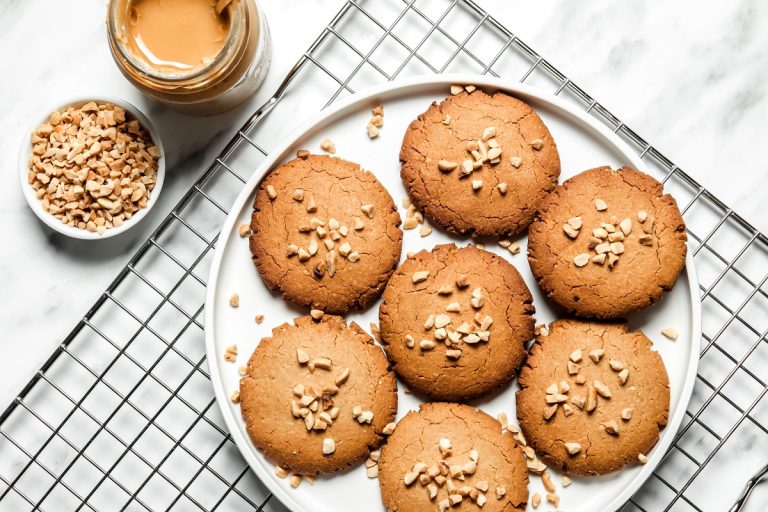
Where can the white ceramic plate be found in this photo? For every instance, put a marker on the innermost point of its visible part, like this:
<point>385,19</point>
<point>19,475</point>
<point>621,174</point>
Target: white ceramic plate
<point>582,142</point>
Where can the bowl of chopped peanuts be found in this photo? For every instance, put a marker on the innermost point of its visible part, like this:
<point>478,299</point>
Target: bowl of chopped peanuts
<point>92,168</point>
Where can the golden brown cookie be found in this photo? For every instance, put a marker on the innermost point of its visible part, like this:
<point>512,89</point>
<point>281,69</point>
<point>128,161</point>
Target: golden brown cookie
<point>454,322</point>
<point>448,454</point>
<point>477,164</point>
<point>325,233</point>
<point>317,395</point>
<point>593,396</point>
<point>607,242</point>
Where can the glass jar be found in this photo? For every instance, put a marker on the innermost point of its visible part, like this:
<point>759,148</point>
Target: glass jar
<point>212,88</point>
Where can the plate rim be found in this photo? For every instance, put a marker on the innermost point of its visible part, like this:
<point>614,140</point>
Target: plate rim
<point>245,446</point>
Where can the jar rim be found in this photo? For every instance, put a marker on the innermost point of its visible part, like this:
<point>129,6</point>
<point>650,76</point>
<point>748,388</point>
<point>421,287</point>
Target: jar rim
<point>238,15</point>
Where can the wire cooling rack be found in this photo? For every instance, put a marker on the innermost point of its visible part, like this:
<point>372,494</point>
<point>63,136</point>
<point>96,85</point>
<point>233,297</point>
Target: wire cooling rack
<point>122,415</point>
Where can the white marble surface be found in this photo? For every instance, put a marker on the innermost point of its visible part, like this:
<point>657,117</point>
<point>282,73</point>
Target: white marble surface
<point>690,79</point>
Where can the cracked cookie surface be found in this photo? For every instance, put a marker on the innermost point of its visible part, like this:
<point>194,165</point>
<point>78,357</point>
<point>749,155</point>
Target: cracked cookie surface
<point>451,199</point>
<point>500,474</point>
<point>627,409</point>
<point>269,391</point>
<point>307,209</point>
<point>652,254</point>
<point>463,358</point>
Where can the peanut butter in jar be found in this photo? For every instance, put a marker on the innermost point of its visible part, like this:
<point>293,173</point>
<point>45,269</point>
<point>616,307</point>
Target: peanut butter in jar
<point>200,57</point>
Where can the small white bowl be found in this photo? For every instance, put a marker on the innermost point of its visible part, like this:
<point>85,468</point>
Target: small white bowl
<point>36,205</point>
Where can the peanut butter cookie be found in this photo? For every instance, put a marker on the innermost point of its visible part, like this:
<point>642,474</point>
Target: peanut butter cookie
<point>455,322</point>
<point>447,454</point>
<point>593,396</point>
<point>477,164</point>
<point>607,242</point>
<point>317,395</point>
<point>325,233</point>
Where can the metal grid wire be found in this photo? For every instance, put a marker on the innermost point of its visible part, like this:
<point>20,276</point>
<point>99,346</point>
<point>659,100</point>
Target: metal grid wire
<point>122,415</point>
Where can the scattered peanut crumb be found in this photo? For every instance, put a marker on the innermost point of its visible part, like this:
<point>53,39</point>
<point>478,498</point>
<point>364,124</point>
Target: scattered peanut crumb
<point>281,472</point>
<point>546,479</point>
<point>565,481</point>
<point>245,230</point>
<point>536,466</point>
<point>317,314</point>
<point>553,498</point>
<point>234,300</point>
<point>425,231</point>
<point>295,481</point>
<point>535,500</point>
<point>670,333</point>
<point>259,318</point>
<point>642,458</point>
<point>230,354</point>
<point>235,397</point>
<point>328,146</point>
